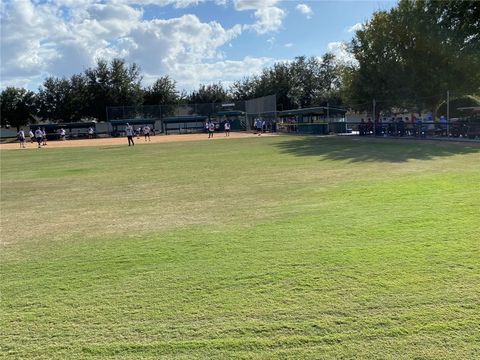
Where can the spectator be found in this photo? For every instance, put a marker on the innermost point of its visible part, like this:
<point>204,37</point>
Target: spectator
<point>369,127</point>
<point>361,127</point>
<point>401,127</point>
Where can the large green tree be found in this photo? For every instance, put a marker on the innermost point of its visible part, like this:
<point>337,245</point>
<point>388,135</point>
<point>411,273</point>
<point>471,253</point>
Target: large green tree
<point>411,55</point>
<point>16,107</point>
<point>163,91</point>
<point>63,99</point>
<point>53,99</point>
<point>213,93</point>
<point>112,84</point>
<point>302,82</point>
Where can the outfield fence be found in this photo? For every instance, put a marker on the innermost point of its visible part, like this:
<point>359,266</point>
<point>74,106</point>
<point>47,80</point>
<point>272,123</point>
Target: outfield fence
<point>453,129</point>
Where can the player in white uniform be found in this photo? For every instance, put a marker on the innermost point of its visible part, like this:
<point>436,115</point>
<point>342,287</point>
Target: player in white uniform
<point>129,132</point>
<point>227,128</point>
<point>44,137</point>
<point>39,137</point>
<point>146,132</point>
<point>211,129</point>
<point>21,138</point>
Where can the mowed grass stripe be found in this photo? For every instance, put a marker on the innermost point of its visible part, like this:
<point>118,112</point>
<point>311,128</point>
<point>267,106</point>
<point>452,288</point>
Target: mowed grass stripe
<point>376,258</point>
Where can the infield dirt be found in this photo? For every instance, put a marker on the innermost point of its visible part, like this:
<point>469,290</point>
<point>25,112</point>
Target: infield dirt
<point>123,140</point>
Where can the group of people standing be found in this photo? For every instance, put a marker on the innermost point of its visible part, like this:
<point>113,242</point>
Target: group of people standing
<point>401,126</point>
<point>260,125</point>
<point>130,132</point>
<point>392,127</point>
<point>210,128</point>
<point>40,136</point>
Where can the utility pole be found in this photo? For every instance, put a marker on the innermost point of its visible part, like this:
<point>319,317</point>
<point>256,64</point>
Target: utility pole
<point>448,112</point>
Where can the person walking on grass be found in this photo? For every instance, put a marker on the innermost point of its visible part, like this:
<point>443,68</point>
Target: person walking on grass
<point>21,138</point>
<point>31,136</point>
<point>227,128</point>
<point>146,132</point>
<point>129,132</point>
<point>39,137</point>
<point>211,129</point>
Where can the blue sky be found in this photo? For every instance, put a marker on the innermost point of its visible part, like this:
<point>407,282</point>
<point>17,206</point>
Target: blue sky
<point>192,41</point>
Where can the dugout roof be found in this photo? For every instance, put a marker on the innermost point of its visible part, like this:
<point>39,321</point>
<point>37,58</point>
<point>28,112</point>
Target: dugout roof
<point>132,121</point>
<point>185,119</point>
<point>73,125</point>
<point>318,110</point>
<point>77,125</point>
<point>470,108</point>
<point>230,113</point>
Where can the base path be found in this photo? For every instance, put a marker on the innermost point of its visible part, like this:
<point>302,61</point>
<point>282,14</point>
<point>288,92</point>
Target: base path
<point>123,140</point>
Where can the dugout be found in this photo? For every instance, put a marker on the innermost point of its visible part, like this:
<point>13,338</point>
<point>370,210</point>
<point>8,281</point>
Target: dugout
<point>118,126</point>
<point>236,118</point>
<point>73,130</point>
<point>77,130</point>
<point>314,120</point>
<point>184,124</point>
<point>270,118</point>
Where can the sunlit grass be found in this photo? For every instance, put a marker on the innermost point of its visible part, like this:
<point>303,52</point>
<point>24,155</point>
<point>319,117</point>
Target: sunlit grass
<point>250,248</point>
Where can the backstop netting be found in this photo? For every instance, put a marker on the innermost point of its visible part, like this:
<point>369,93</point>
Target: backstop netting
<point>181,118</point>
<point>185,118</point>
<point>263,108</point>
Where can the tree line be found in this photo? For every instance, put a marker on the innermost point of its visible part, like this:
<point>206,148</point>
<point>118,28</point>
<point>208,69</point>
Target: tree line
<point>406,58</point>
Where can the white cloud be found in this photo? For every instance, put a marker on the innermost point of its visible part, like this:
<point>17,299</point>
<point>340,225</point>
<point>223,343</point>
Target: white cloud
<point>305,10</point>
<point>354,28</point>
<point>269,17</point>
<point>339,49</point>
<point>226,71</point>
<point>22,29</point>
<point>288,45</point>
<point>162,44</point>
<point>40,39</point>
<point>178,4</point>
<point>241,5</point>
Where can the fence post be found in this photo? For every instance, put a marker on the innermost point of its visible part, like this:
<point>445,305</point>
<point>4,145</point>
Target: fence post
<point>448,112</point>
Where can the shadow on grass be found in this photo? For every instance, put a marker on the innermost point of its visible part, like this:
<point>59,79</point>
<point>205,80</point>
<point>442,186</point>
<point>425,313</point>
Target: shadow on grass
<point>357,149</point>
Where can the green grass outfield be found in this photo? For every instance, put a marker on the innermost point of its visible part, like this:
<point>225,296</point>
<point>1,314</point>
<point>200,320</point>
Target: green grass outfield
<point>267,247</point>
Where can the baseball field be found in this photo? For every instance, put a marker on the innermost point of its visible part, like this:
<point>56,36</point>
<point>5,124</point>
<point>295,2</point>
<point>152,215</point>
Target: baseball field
<point>255,247</point>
